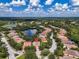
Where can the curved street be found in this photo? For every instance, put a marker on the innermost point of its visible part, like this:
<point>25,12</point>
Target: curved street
<point>54,44</point>
<point>52,49</point>
<point>11,51</point>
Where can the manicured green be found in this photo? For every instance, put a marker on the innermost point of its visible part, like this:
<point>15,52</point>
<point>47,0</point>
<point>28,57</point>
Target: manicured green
<point>21,57</point>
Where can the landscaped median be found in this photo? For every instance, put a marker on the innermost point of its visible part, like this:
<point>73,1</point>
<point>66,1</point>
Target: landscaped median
<point>21,57</point>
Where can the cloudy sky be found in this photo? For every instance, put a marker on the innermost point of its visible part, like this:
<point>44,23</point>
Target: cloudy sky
<point>39,8</point>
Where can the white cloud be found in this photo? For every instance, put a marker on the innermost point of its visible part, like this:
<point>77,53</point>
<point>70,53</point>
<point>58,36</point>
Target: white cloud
<point>7,4</point>
<point>58,6</point>
<point>33,5</point>
<point>2,5</point>
<point>18,2</point>
<point>65,6</point>
<point>61,7</point>
<point>28,9</point>
<point>39,13</point>
<point>75,2</point>
<point>76,10</point>
<point>9,10</point>
<point>51,10</point>
<point>34,2</point>
<point>49,2</point>
<point>31,9</point>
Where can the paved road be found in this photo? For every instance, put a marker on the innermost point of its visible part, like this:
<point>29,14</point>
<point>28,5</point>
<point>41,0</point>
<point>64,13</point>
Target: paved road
<point>10,50</point>
<point>54,44</point>
<point>53,47</point>
<point>54,27</point>
<point>38,53</point>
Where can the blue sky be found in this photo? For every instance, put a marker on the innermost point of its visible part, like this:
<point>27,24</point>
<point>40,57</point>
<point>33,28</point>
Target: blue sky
<point>39,8</point>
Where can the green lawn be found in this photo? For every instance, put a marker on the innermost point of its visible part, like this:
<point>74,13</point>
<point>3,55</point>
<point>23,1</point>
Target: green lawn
<point>3,58</point>
<point>21,57</point>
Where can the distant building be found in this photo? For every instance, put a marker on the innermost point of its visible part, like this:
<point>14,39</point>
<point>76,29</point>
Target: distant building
<point>10,25</point>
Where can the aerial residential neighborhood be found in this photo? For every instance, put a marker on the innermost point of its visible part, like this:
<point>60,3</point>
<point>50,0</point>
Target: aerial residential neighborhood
<point>39,29</point>
<point>56,39</point>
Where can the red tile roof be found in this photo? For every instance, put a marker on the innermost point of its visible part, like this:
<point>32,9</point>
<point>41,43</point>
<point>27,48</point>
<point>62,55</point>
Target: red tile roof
<point>36,39</point>
<point>72,53</point>
<point>43,39</point>
<point>27,43</point>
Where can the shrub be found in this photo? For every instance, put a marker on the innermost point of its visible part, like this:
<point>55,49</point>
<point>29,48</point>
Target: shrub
<point>30,54</point>
<point>43,45</point>
<point>59,51</point>
<point>45,52</point>
<point>51,56</point>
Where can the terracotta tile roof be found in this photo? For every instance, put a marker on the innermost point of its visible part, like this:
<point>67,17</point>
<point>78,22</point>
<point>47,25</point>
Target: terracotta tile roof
<point>72,53</point>
<point>36,39</point>
<point>43,39</point>
<point>44,33</point>
<point>27,44</point>
<point>18,40</point>
<point>66,57</point>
